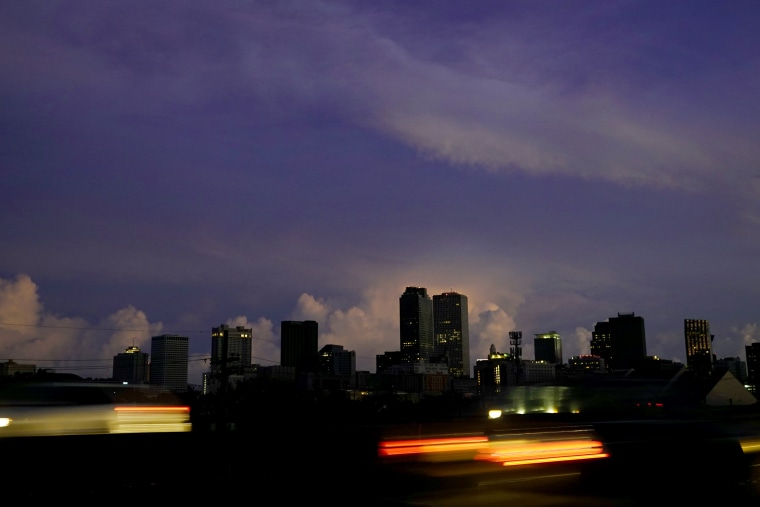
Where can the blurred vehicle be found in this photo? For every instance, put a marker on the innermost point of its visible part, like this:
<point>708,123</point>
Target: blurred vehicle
<point>33,409</point>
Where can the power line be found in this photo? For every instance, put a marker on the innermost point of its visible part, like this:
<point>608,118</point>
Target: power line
<point>120,329</point>
<point>94,328</point>
<point>191,357</point>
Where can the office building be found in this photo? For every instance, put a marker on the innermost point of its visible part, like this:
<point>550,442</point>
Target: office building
<point>586,363</point>
<point>168,362</point>
<point>698,340</point>
<point>534,372</point>
<point>416,325</point>
<point>752,357</point>
<point>335,360</point>
<point>384,363</point>
<point>495,374</point>
<point>452,332</point>
<point>299,345</point>
<point>547,347</point>
<point>131,366</point>
<point>620,341</point>
<point>231,349</point>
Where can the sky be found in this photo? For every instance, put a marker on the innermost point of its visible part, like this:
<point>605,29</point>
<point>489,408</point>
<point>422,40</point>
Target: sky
<point>171,166</point>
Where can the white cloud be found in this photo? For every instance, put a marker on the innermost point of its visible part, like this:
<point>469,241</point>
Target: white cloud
<point>577,344</point>
<point>129,326</point>
<point>32,335</point>
<point>310,308</point>
<point>489,324</point>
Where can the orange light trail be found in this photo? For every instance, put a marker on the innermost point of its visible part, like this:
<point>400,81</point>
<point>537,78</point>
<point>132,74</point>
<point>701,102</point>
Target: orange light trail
<point>152,409</point>
<point>508,453</point>
<point>522,453</point>
<point>430,445</point>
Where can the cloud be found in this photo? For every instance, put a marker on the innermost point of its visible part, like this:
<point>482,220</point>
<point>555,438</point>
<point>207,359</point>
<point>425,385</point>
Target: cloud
<point>130,327</point>
<point>68,344</point>
<point>577,344</point>
<point>490,324</point>
<point>310,308</point>
<point>733,344</point>
<point>368,327</point>
<point>364,67</point>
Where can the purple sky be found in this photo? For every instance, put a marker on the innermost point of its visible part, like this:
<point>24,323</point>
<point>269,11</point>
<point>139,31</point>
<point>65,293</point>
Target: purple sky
<point>170,166</point>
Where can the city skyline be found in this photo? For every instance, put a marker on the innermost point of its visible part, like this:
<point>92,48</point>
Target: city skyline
<point>172,167</point>
<point>505,346</point>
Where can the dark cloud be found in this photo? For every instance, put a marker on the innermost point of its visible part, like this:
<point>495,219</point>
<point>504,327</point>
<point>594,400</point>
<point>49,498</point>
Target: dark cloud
<point>177,165</point>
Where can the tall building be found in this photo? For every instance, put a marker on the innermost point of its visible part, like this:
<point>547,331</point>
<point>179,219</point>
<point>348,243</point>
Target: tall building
<point>299,345</point>
<point>416,325</point>
<point>752,356</point>
<point>699,355</point>
<point>231,349</point>
<point>335,360</point>
<point>621,341</point>
<point>131,366</point>
<point>548,347</point>
<point>452,332</point>
<point>168,363</point>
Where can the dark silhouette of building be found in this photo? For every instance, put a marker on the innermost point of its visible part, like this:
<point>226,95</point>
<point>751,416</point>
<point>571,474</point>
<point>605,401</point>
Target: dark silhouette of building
<point>735,365</point>
<point>515,350</point>
<point>495,374</point>
<point>11,368</point>
<point>231,349</point>
<point>168,362</point>
<point>131,366</point>
<point>656,367</point>
<point>586,364</point>
<point>452,332</point>
<point>548,347</point>
<point>699,355</point>
<point>752,353</point>
<point>299,345</point>
<point>621,341</point>
<point>385,362</point>
<point>416,326</point>
<point>335,360</point>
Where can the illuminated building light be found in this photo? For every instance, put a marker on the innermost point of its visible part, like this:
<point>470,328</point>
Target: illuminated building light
<point>494,414</point>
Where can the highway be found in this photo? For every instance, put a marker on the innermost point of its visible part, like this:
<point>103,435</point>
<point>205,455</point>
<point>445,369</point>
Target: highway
<point>535,463</point>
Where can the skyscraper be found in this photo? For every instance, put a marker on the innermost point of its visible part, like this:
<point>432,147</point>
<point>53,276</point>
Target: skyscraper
<point>699,355</point>
<point>621,341</point>
<point>452,332</point>
<point>231,349</point>
<point>416,326</point>
<point>752,352</point>
<point>548,347</point>
<point>168,364</point>
<point>131,366</point>
<point>299,345</point>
